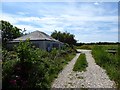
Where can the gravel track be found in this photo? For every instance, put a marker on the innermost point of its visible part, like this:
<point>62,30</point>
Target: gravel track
<point>63,77</point>
<point>93,77</point>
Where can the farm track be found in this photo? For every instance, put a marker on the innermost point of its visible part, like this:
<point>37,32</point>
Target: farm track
<point>93,77</point>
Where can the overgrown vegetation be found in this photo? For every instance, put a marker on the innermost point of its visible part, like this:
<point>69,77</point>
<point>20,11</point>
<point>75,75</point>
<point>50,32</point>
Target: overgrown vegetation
<point>30,67</point>
<point>81,63</point>
<point>110,62</point>
<point>27,66</point>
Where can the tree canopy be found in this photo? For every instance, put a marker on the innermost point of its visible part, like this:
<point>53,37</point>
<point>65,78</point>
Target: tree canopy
<point>9,32</point>
<point>64,37</point>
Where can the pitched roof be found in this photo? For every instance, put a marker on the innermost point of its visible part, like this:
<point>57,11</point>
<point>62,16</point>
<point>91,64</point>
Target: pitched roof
<point>36,35</point>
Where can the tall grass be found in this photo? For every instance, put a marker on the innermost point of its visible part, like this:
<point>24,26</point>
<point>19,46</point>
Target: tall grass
<point>108,61</point>
<point>81,63</point>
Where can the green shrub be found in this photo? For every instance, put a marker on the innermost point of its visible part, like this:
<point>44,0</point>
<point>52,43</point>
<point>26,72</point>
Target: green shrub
<point>31,67</point>
<point>6,55</point>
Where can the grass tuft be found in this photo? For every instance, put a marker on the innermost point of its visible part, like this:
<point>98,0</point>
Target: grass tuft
<point>81,63</point>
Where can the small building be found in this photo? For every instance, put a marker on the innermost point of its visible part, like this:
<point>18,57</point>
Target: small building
<point>38,39</point>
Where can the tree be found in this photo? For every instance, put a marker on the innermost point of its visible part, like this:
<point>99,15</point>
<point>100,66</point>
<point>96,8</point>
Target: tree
<point>9,32</point>
<point>64,37</point>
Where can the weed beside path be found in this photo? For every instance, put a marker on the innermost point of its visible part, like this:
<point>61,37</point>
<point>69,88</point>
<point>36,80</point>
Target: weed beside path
<point>110,62</point>
<point>62,80</point>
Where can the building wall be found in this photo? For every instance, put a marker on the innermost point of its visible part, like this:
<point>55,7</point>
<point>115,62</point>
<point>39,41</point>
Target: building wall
<point>44,45</point>
<point>48,45</point>
<point>39,44</point>
<point>10,46</point>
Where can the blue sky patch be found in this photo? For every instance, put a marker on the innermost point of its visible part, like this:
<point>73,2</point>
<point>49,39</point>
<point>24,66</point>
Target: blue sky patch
<point>88,21</point>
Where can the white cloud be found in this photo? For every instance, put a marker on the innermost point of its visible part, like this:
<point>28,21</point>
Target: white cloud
<point>31,28</point>
<point>22,13</point>
<point>9,18</point>
<point>97,37</point>
<point>96,3</point>
<point>84,19</point>
<point>64,20</point>
<point>49,24</point>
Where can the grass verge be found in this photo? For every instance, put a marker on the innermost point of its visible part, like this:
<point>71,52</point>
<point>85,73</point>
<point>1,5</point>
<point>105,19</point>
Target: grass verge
<point>110,62</point>
<point>81,63</point>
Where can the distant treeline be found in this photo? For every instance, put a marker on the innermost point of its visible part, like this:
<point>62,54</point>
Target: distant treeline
<point>98,43</point>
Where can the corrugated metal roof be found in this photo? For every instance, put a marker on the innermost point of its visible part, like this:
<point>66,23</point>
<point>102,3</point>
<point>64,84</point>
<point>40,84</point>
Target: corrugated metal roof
<point>36,35</point>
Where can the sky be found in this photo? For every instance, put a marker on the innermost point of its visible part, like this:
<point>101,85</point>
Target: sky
<point>88,21</point>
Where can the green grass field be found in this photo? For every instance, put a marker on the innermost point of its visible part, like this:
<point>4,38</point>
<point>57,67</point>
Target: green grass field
<point>81,63</point>
<point>88,47</point>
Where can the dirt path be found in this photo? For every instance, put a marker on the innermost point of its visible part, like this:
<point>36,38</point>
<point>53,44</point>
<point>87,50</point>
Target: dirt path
<point>93,77</point>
